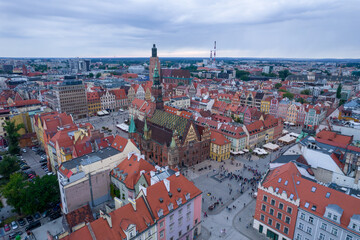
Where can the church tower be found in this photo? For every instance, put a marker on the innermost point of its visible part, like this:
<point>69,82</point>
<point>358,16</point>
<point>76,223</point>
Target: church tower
<point>156,90</point>
<point>154,61</point>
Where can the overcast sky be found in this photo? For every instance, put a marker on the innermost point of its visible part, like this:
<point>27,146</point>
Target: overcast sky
<point>180,28</point>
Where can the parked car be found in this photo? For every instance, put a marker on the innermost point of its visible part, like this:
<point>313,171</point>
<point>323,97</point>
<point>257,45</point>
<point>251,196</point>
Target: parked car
<point>21,222</point>
<point>14,225</point>
<point>54,216</point>
<point>43,164</point>
<point>24,150</point>
<point>29,219</point>
<point>26,167</point>
<point>43,161</point>
<point>14,234</point>
<point>33,225</point>
<point>7,227</point>
<point>37,215</point>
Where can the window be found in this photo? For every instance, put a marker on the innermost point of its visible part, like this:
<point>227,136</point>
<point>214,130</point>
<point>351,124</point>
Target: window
<point>329,215</point>
<point>188,227</point>
<point>313,208</point>
<point>321,236</point>
<point>161,224</point>
<point>262,217</point>
<point>301,226</point>
<point>188,207</point>
<point>196,221</point>
<point>302,216</point>
<point>171,217</point>
<point>309,230</point>
<point>162,233</point>
<point>277,226</point>
<point>265,198</point>
<point>291,196</point>
<point>271,211</point>
<point>286,230</point>
<point>263,207</point>
<point>287,219</point>
<point>313,189</point>
<point>306,204</point>
<point>327,195</point>
<point>311,219</point>
<point>289,210</point>
<point>281,206</point>
<point>348,237</point>
<point>179,233</point>
<point>298,237</point>
<point>180,221</point>
<point>286,183</point>
<point>171,226</point>
<point>188,216</point>
<point>270,221</point>
<point>323,226</point>
<point>334,231</point>
<point>279,215</point>
<point>273,202</point>
<point>279,180</point>
<point>335,217</point>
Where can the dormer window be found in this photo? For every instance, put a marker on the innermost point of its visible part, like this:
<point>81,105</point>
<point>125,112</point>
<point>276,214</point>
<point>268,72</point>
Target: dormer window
<point>170,207</point>
<point>187,196</point>
<point>160,212</point>
<point>179,201</point>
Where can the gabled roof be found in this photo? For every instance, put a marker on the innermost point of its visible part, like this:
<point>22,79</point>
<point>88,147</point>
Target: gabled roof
<point>218,138</point>
<point>159,198</point>
<point>289,179</point>
<point>119,143</point>
<point>131,170</point>
<point>78,216</point>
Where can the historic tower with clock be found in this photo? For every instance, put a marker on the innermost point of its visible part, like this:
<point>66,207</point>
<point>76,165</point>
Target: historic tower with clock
<point>156,90</point>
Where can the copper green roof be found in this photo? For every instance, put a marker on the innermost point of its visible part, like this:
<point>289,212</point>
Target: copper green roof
<point>170,121</point>
<point>132,128</point>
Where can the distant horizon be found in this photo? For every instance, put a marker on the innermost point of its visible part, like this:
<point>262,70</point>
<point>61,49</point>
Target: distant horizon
<point>307,29</point>
<point>200,58</point>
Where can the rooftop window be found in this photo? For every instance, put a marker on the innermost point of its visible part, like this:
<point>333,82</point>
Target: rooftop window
<point>327,195</point>
<point>313,189</point>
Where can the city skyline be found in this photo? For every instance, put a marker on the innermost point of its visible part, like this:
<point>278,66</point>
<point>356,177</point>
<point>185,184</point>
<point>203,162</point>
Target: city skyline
<point>254,29</point>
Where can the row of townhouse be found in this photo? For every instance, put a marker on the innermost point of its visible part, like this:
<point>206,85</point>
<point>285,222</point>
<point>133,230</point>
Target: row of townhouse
<point>246,136</point>
<point>295,113</point>
<point>110,100</point>
<point>154,203</point>
<point>291,204</point>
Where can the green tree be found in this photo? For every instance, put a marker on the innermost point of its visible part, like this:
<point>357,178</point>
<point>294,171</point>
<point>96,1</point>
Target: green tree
<point>8,165</point>
<point>98,75</point>
<point>283,74</point>
<point>338,91</point>
<point>13,191</point>
<point>278,85</point>
<point>289,95</point>
<point>30,197</point>
<point>305,92</point>
<point>13,136</point>
<point>91,75</point>
<point>242,74</point>
<point>301,100</point>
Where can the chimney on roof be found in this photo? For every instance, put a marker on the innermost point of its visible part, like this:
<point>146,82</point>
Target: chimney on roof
<point>107,217</point>
<point>167,184</point>
<point>143,189</point>
<point>133,203</point>
<point>118,203</point>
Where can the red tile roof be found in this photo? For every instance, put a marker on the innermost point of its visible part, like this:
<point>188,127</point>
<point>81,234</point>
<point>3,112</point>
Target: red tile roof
<point>311,192</point>
<point>133,167</point>
<point>218,138</point>
<point>23,103</point>
<point>333,139</point>
<point>79,216</point>
<point>158,196</point>
<point>119,143</point>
